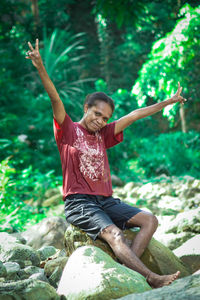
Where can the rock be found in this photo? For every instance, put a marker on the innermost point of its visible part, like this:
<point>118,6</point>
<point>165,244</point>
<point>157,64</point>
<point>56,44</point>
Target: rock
<point>189,253</point>
<point>3,271</point>
<point>52,201</point>
<point>193,202</point>
<point>186,221</point>
<point>166,203</point>
<point>187,288</point>
<point>156,257</point>
<point>30,270</point>
<point>15,251</point>
<point>46,251</point>
<point>12,269</point>
<point>52,192</point>
<point>6,238</point>
<point>39,276</point>
<point>28,289</point>
<point>174,240</point>
<point>116,180</point>
<point>190,193</point>
<point>51,265</point>
<point>53,270</point>
<point>74,238</point>
<point>19,238</point>
<point>55,277</point>
<point>49,232</point>
<point>90,273</point>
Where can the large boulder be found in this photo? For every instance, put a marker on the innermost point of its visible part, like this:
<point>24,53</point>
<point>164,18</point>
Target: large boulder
<point>187,288</point>
<point>156,257</point>
<point>189,253</point>
<point>90,273</point>
<point>28,289</point>
<point>49,232</point>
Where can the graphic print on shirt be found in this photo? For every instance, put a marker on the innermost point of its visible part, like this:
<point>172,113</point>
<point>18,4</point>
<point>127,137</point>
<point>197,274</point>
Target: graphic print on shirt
<point>91,154</point>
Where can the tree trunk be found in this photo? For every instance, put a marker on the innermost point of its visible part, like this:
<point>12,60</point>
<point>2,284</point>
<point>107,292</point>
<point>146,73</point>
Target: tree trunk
<point>182,116</point>
<point>35,11</point>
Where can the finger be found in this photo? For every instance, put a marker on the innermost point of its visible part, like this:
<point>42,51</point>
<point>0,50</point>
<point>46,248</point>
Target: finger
<point>37,45</point>
<point>179,89</point>
<point>30,46</point>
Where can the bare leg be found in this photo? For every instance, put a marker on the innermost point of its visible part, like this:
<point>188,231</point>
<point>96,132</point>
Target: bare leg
<point>115,238</point>
<point>148,224</point>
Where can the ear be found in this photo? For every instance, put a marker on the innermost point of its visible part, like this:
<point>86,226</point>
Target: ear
<point>85,108</point>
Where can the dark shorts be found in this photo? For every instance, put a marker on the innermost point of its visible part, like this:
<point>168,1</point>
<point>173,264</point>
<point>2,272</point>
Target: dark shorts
<point>94,213</point>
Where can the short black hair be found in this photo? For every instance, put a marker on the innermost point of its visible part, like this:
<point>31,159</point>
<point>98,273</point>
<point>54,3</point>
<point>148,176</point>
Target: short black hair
<point>92,99</point>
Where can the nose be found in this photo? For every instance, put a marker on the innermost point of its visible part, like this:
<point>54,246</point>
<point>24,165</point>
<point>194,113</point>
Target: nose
<point>100,121</point>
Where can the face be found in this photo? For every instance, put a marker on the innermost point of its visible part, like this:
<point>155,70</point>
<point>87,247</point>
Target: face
<point>96,117</point>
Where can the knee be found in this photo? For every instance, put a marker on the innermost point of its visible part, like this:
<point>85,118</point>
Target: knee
<point>153,222</point>
<point>114,236</point>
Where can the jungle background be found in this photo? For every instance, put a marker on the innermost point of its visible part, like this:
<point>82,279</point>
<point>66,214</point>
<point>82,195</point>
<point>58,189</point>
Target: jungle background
<point>135,51</point>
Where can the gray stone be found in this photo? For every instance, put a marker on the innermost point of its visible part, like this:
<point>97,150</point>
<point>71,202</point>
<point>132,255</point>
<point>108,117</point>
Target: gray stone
<point>12,269</point>
<point>54,263</point>
<point>21,263</point>
<point>30,270</point>
<point>116,180</point>
<point>187,288</point>
<point>19,238</point>
<point>53,201</point>
<point>49,232</point>
<point>52,192</point>
<point>90,273</point>
<point>186,221</point>
<point>189,253</point>
<point>15,251</point>
<point>55,277</point>
<point>174,240</point>
<point>3,271</point>
<point>29,289</point>
<point>6,238</point>
<point>46,251</point>
<point>39,276</point>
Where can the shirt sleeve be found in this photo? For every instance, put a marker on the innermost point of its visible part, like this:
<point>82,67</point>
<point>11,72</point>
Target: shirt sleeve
<point>109,137</point>
<point>63,133</point>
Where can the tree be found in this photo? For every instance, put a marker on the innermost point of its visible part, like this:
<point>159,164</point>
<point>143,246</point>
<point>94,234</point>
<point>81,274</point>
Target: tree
<point>173,58</point>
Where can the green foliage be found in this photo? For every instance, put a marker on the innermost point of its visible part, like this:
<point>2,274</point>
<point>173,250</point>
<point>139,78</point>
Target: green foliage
<point>22,192</point>
<point>172,59</point>
<point>173,154</point>
<point>124,13</point>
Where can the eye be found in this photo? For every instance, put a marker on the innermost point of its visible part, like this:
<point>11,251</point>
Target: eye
<point>97,114</point>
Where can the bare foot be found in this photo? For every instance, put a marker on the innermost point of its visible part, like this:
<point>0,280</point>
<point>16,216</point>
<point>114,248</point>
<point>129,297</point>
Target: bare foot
<point>156,281</point>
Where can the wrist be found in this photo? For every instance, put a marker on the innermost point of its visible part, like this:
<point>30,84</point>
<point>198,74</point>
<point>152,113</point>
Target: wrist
<point>169,101</point>
<point>40,67</point>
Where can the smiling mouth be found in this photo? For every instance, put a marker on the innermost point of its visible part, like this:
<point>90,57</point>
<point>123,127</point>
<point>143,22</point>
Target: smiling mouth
<point>95,126</point>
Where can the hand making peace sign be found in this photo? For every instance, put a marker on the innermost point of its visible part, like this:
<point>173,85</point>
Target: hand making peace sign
<point>34,54</point>
<point>176,97</point>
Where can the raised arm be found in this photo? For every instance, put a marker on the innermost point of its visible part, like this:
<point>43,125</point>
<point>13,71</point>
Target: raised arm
<point>57,104</point>
<point>140,113</point>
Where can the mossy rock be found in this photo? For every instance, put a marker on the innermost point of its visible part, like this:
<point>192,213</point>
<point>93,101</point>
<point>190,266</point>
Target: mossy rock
<point>157,257</point>
<point>90,273</point>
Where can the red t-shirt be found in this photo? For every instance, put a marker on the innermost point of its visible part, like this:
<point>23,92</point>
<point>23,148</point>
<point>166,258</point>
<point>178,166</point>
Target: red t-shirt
<point>84,159</point>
